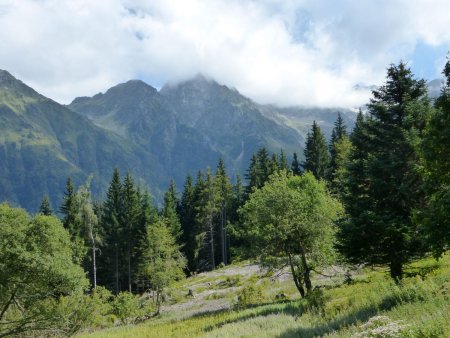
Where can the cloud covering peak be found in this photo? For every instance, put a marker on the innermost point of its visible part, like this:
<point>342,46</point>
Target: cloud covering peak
<point>305,52</point>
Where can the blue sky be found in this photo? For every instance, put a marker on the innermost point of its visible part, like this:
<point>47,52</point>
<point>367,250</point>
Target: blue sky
<point>290,52</point>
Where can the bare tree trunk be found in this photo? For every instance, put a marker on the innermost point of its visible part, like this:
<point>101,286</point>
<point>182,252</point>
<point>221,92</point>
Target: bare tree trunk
<point>211,231</point>
<point>94,248</point>
<point>116,262</point>
<point>222,236</point>
<point>298,283</point>
<point>306,273</point>
<point>129,264</point>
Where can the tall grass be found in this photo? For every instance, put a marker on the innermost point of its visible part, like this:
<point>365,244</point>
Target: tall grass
<point>372,306</point>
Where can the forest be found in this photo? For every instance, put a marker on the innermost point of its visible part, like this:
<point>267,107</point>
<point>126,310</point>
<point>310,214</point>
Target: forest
<point>377,194</point>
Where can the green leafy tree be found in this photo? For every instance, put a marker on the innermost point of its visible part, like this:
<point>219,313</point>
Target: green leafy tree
<point>384,186</point>
<point>36,269</point>
<point>89,225</point>
<point>45,208</point>
<point>163,261</point>
<point>208,208</point>
<point>290,222</point>
<point>435,149</point>
<point>316,152</point>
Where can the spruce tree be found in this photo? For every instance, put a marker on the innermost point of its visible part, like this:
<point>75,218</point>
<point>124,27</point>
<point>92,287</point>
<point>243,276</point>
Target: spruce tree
<point>188,222</point>
<point>435,218</point>
<point>69,209</point>
<point>225,195</point>
<point>316,153</point>
<point>45,208</point>
<point>283,162</point>
<point>383,184</point>
<point>338,133</point>
<point>295,166</point>
<point>170,207</point>
<point>112,253</point>
<point>133,230</point>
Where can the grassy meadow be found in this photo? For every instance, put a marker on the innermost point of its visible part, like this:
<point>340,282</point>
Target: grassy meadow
<point>242,301</point>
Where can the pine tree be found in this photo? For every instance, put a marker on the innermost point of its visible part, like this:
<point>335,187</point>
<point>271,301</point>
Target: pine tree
<point>283,163</point>
<point>45,208</point>
<point>295,166</point>
<point>338,133</point>
<point>252,176</point>
<point>225,195</point>
<point>170,207</point>
<point>208,208</point>
<point>188,222</point>
<point>69,209</point>
<point>434,219</point>
<point>129,218</point>
<point>111,258</point>
<point>316,153</point>
<point>383,184</point>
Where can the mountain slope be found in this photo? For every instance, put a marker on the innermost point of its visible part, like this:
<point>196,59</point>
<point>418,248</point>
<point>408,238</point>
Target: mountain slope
<point>190,125</point>
<point>42,143</point>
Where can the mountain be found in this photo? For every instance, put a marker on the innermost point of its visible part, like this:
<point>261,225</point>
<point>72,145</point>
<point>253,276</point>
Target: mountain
<point>43,142</point>
<point>190,125</point>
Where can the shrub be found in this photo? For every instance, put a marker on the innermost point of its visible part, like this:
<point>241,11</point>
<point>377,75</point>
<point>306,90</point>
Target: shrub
<point>250,295</point>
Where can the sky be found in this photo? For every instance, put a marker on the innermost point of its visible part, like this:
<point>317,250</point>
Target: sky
<point>289,52</point>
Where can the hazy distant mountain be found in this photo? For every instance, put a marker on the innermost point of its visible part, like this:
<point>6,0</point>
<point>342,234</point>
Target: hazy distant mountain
<point>435,87</point>
<point>42,143</point>
<point>157,135</point>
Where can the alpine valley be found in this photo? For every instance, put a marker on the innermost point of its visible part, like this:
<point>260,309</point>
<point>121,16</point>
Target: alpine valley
<point>156,135</point>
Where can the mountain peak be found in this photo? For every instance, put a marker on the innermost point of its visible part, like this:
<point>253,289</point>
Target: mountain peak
<point>5,76</point>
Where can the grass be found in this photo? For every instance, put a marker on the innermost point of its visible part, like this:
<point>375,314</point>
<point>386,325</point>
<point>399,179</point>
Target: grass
<point>371,306</point>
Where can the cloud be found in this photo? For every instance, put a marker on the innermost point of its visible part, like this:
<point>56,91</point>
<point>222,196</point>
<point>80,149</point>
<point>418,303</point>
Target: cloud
<point>292,52</point>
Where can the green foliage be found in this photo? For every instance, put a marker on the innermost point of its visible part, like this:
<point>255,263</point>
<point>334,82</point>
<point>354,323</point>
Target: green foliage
<point>383,185</point>
<point>36,266</point>
<point>163,263</point>
<point>250,295</point>
<point>127,307</point>
<point>316,153</point>
<point>290,221</point>
<point>45,208</point>
<point>435,151</point>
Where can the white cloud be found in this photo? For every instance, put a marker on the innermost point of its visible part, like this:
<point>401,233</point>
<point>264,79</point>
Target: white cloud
<point>292,52</point>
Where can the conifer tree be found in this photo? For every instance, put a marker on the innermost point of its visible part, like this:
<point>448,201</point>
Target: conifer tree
<point>316,153</point>
<point>133,230</point>
<point>295,166</point>
<point>113,232</point>
<point>283,163</point>
<point>45,208</point>
<point>435,218</point>
<point>188,222</point>
<point>383,184</point>
<point>225,195</point>
<point>338,133</point>
<point>170,207</point>
<point>69,209</point>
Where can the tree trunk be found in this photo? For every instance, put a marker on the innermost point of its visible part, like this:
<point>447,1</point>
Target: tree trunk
<point>129,264</point>
<point>396,270</point>
<point>213,262</point>
<point>94,264</point>
<point>222,236</point>
<point>298,283</point>
<point>116,263</point>
<point>306,273</point>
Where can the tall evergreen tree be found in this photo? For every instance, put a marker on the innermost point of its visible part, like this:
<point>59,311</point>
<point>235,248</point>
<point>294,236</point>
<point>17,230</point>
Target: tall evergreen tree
<point>69,209</point>
<point>170,207</point>
<point>225,195</point>
<point>188,222</point>
<point>316,153</point>
<point>133,230</point>
<point>208,207</point>
<point>283,162</point>
<point>295,166</point>
<point>45,208</point>
<point>111,258</point>
<point>383,184</point>
<point>435,218</point>
<point>338,133</point>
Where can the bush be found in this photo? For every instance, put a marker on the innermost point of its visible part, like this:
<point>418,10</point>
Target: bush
<point>250,295</point>
<point>128,307</point>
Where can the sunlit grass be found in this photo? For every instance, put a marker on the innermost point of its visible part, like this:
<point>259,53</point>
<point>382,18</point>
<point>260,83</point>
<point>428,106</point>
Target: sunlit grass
<point>419,307</point>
